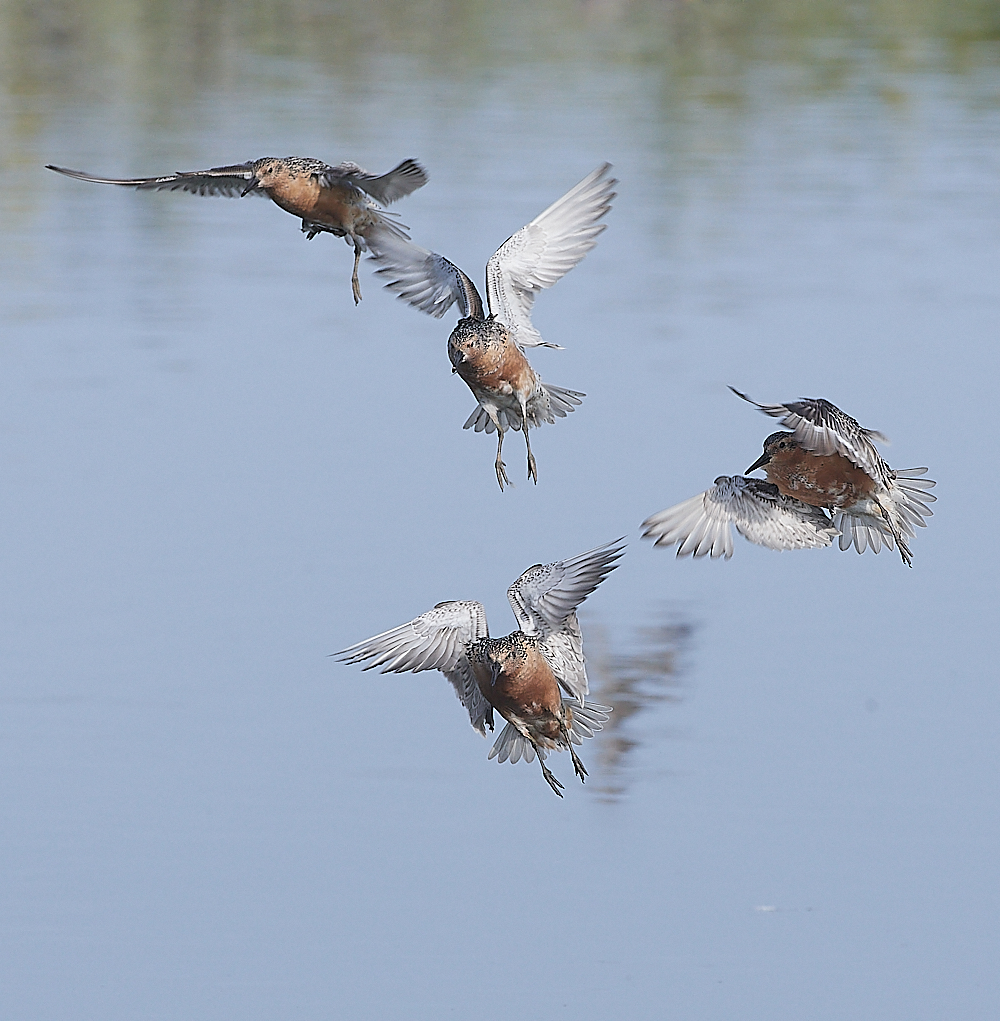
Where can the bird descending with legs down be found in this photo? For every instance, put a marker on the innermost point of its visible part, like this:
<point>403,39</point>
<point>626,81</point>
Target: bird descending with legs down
<point>329,199</point>
<point>520,675</point>
<point>488,351</point>
<point>828,460</point>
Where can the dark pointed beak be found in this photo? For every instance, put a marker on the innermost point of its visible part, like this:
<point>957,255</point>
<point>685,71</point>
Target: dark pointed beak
<point>759,463</point>
<point>252,185</point>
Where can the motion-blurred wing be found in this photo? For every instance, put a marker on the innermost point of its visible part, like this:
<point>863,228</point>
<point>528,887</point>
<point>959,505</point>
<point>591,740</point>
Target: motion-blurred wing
<point>544,251</point>
<point>384,188</point>
<point>227,181</point>
<point>823,428</point>
<point>759,512</point>
<point>436,640</point>
<point>426,280</point>
<point>545,595</point>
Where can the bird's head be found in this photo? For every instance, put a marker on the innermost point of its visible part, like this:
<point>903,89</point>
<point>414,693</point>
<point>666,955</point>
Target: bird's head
<point>264,174</point>
<point>776,447</point>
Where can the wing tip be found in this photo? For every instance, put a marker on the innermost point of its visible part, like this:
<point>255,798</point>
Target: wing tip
<point>743,396</point>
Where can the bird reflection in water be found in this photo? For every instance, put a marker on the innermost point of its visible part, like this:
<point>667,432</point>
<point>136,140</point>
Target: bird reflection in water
<point>633,682</point>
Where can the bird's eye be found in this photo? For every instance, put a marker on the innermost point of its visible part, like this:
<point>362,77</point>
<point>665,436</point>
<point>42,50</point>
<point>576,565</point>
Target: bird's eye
<point>782,444</point>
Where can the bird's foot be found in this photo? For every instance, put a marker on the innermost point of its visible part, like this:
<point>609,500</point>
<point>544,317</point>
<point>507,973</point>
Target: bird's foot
<point>310,228</point>
<point>581,769</point>
<point>904,551</point>
<point>502,475</point>
<point>551,780</point>
<point>532,468</point>
<point>356,288</point>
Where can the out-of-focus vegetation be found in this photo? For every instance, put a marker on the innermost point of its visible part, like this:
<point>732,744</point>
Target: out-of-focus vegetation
<point>80,47</point>
<point>163,60</point>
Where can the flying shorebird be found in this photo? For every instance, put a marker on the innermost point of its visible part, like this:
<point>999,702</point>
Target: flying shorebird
<point>520,675</point>
<point>488,351</point>
<point>827,464</point>
<point>828,460</point>
<point>331,200</point>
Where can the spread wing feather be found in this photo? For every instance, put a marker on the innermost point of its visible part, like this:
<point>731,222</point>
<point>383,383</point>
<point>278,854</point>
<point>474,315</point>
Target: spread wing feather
<point>227,181</point>
<point>760,513</point>
<point>544,600</point>
<point>546,594</point>
<point>426,280</point>
<point>544,251</point>
<point>563,650</point>
<point>385,188</point>
<point>436,640</point>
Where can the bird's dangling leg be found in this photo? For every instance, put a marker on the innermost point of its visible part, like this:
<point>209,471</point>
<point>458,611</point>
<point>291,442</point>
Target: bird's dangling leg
<point>532,469</point>
<point>904,549</point>
<point>355,283</point>
<point>501,467</point>
<point>581,769</point>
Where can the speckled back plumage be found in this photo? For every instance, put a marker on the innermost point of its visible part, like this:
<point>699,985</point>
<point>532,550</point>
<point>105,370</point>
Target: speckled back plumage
<point>512,649</point>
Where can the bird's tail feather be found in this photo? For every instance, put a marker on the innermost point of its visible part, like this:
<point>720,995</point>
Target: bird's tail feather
<point>512,744</point>
<point>584,718</point>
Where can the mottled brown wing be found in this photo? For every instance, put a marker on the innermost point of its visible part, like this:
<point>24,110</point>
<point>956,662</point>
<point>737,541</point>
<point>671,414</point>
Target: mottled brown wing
<point>229,182</point>
<point>386,188</point>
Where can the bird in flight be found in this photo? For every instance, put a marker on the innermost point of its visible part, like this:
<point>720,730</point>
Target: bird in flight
<point>535,678</point>
<point>487,347</point>
<point>828,460</point>
<point>824,478</point>
<point>329,199</point>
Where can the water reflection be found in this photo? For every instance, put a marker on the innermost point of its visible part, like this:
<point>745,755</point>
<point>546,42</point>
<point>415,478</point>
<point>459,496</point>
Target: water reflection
<point>633,682</point>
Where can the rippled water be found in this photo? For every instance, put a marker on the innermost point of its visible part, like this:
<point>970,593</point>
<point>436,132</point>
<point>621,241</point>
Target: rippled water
<point>216,471</point>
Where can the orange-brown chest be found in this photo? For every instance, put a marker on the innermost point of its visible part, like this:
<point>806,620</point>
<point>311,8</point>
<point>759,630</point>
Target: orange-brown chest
<point>518,682</point>
<point>491,362</point>
<point>829,480</point>
<point>303,196</point>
